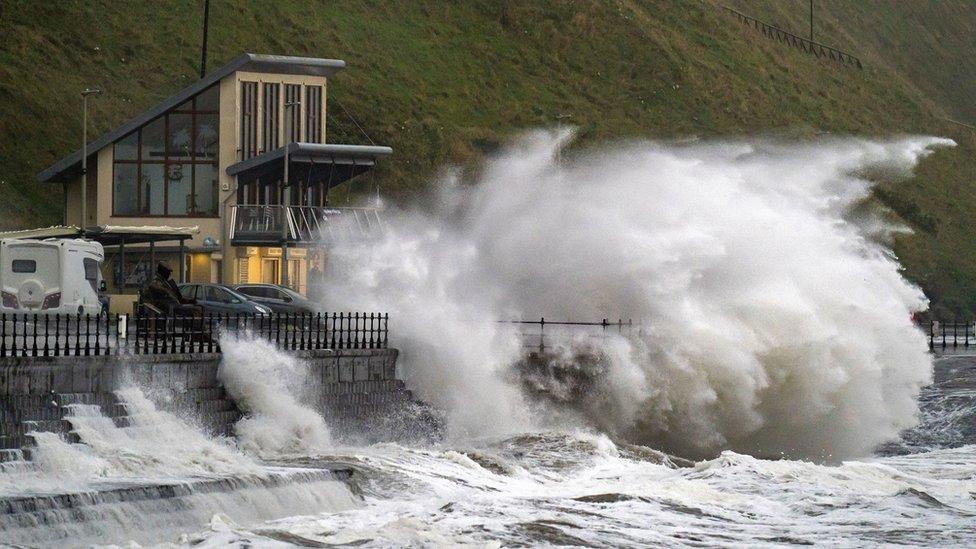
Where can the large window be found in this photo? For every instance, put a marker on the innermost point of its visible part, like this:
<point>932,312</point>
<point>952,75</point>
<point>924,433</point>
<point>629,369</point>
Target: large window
<point>313,114</point>
<point>293,104</point>
<point>269,131</point>
<point>249,119</point>
<point>169,166</point>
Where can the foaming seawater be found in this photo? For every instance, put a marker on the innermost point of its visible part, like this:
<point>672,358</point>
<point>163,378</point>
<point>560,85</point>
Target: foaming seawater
<point>148,476</point>
<point>775,320</point>
<point>162,511</point>
<point>583,489</point>
<point>579,489</point>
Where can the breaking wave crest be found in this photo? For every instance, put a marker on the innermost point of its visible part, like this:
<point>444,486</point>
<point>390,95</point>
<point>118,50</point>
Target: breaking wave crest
<point>774,319</point>
<point>266,383</point>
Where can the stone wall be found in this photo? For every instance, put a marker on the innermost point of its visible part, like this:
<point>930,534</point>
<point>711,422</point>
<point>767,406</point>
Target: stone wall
<point>356,390</point>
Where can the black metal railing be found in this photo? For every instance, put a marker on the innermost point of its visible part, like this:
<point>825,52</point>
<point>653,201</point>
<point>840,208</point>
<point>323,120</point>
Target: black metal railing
<point>816,49</point>
<point>534,336</point>
<point>27,335</point>
<point>952,336</point>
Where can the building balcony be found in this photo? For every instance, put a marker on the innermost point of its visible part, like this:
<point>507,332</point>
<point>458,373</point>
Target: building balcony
<point>274,225</point>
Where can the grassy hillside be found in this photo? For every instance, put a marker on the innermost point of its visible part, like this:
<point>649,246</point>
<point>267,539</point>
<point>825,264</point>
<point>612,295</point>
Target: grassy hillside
<point>447,81</point>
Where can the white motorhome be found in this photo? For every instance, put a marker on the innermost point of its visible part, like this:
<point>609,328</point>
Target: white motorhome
<point>55,275</point>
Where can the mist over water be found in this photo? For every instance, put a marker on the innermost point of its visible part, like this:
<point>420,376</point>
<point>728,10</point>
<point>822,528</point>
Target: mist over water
<point>774,319</point>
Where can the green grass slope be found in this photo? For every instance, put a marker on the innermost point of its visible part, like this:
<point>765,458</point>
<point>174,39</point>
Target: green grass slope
<point>447,81</point>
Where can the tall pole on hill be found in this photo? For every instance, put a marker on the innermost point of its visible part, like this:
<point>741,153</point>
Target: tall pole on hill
<point>811,20</point>
<point>84,154</point>
<point>206,28</point>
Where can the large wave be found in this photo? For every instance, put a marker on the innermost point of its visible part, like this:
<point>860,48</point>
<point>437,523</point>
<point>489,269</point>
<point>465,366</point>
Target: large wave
<point>774,321</point>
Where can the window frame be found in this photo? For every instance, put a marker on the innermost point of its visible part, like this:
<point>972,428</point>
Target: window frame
<point>91,272</point>
<point>167,161</point>
<point>15,262</point>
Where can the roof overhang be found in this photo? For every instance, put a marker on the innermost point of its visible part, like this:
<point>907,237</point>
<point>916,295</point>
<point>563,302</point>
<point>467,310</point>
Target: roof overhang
<point>312,162</point>
<point>109,235</point>
<point>70,166</point>
<point>112,235</point>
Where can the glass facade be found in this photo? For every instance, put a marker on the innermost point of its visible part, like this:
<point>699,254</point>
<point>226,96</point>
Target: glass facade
<point>313,114</point>
<point>156,167</point>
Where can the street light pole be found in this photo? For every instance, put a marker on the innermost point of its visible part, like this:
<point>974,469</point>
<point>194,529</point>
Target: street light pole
<point>285,200</point>
<point>84,153</point>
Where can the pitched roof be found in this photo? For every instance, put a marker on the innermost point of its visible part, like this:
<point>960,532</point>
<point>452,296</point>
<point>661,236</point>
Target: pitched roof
<point>70,165</point>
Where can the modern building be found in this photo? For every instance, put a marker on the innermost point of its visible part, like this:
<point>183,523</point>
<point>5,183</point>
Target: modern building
<point>215,156</point>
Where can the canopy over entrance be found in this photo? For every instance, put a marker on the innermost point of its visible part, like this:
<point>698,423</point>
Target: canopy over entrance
<point>109,235</point>
<point>310,164</point>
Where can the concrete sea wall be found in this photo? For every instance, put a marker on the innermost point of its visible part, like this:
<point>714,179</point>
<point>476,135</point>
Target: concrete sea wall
<point>356,390</point>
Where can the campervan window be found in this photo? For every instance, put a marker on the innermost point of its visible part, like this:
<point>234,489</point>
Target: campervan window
<point>91,272</point>
<point>23,266</point>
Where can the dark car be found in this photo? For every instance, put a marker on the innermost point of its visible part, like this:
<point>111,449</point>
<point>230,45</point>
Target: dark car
<point>215,298</point>
<point>278,298</point>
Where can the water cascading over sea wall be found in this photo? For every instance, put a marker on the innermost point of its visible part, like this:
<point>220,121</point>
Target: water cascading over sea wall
<point>356,390</point>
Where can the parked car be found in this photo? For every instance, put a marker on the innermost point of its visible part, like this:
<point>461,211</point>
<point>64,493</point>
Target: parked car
<point>278,298</point>
<point>51,276</point>
<point>218,299</point>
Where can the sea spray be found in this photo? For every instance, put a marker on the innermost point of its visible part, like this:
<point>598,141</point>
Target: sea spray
<point>773,319</point>
<point>265,382</point>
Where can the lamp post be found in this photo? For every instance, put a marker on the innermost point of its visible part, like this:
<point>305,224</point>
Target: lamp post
<point>84,153</point>
<point>285,200</point>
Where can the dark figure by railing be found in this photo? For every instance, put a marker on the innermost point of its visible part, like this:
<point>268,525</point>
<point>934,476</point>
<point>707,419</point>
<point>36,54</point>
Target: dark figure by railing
<point>162,296</point>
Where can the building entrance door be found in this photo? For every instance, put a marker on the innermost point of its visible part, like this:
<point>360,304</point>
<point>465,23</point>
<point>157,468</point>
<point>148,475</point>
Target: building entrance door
<point>269,271</point>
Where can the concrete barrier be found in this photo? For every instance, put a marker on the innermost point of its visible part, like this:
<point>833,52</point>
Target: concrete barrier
<point>356,390</point>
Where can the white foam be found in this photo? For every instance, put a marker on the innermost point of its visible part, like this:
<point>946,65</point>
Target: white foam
<point>265,384</point>
<point>774,320</point>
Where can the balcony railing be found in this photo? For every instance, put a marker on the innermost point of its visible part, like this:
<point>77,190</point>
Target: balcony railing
<point>271,224</point>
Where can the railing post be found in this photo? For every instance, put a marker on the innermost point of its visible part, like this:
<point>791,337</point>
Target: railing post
<point>34,329</point>
<point>355,331</point>
<point>57,335</point>
<point>372,341</point>
<point>318,330</point>
<point>277,323</point>
<point>3,334</point>
<point>332,343</point>
<point>77,334</point>
<point>386,329</point>
<point>87,335</point>
<point>67,335</point>
<point>542,335</point>
<point>98,334</point>
<point>349,331</point>
<point>118,333</point>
